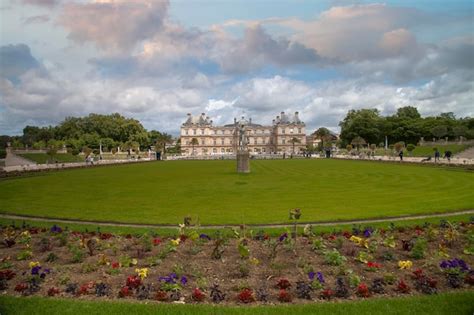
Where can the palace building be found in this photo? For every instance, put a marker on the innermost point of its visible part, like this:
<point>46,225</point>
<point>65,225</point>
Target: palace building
<point>286,134</point>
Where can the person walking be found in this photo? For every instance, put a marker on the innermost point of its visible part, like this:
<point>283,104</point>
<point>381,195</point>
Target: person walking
<point>447,155</point>
<point>400,154</point>
<point>436,155</point>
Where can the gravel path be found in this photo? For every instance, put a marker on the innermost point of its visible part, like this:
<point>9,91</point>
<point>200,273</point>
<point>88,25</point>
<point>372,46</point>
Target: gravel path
<point>466,154</point>
<point>171,226</point>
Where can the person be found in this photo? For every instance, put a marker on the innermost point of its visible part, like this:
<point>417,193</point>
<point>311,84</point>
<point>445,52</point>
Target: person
<point>400,154</point>
<point>436,155</point>
<point>447,155</point>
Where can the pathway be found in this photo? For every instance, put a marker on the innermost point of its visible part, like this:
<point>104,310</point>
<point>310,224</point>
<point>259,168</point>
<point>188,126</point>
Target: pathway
<point>281,225</point>
<point>466,154</point>
<point>15,160</point>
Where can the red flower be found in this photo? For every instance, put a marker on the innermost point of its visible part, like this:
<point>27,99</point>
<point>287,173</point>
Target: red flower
<point>53,291</point>
<point>331,237</point>
<point>105,236</point>
<point>417,274</point>
<point>133,282</point>
<point>266,237</point>
<point>283,284</point>
<point>84,289</point>
<point>363,290</point>
<point>156,241</point>
<point>373,265</point>
<point>198,295</point>
<point>346,234</point>
<point>115,265</point>
<point>183,238</point>
<point>284,296</point>
<point>246,296</point>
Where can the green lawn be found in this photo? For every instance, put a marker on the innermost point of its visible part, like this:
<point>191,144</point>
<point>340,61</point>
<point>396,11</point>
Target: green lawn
<point>165,192</point>
<point>447,303</point>
<point>42,158</point>
<point>426,151</point>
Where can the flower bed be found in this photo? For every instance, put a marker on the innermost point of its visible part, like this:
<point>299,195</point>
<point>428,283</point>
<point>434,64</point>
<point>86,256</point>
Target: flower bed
<point>242,267</point>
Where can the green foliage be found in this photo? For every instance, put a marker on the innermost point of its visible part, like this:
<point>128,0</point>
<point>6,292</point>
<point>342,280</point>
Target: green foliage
<point>364,257</point>
<point>419,248</point>
<point>318,244</point>
<point>77,253</point>
<point>244,250</point>
<point>24,254</point>
<point>334,258</point>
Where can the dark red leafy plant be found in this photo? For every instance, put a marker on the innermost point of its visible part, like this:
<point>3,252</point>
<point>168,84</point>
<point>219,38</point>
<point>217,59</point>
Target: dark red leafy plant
<point>161,296</point>
<point>53,291</point>
<point>125,291</point>
<point>284,296</point>
<point>246,296</point>
<point>21,287</point>
<point>363,290</point>
<point>402,287</point>
<point>198,295</point>
<point>7,274</point>
<point>283,284</point>
<point>327,294</point>
<point>133,282</point>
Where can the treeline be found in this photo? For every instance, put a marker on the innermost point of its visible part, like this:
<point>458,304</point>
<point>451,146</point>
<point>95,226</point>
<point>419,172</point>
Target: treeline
<point>89,133</point>
<point>406,125</point>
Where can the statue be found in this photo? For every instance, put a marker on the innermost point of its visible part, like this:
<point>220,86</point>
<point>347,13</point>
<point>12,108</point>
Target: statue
<point>242,138</point>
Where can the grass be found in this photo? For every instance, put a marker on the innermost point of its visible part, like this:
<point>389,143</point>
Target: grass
<point>43,158</point>
<point>172,232</point>
<point>446,303</point>
<point>165,192</point>
<point>425,151</point>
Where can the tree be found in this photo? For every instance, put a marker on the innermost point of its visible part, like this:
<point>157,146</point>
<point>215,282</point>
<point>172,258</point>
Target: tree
<point>349,148</point>
<point>194,142</point>
<point>364,123</point>
<point>398,146</point>
<point>460,131</point>
<point>164,139</point>
<point>408,112</point>
<point>358,142</point>
<point>294,141</point>
<point>439,131</point>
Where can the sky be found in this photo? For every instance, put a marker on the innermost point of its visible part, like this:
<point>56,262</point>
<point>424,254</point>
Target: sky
<point>156,60</point>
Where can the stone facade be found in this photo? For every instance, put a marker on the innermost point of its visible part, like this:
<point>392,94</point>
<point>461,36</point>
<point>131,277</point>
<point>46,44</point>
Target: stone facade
<point>200,137</point>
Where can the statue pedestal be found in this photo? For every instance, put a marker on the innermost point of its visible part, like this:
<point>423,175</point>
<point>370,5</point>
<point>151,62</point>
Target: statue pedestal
<point>243,161</point>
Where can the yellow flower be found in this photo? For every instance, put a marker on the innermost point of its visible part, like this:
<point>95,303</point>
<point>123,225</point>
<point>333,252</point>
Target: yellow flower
<point>176,241</point>
<point>359,241</point>
<point>405,264</point>
<point>134,261</point>
<point>254,261</point>
<point>34,264</point>
<point>355,239</point>
<point>142,273</point>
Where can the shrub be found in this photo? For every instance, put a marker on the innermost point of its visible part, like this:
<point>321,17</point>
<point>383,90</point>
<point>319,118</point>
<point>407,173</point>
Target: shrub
<point>419,248</point>
<point>198,295</point>
<point>303,290</point>
<point>363,290</point>
<point>334,258</point>
<point>246,296</point>
<point>283,284</point>
<point>284,296</point>
<point>402,287</point>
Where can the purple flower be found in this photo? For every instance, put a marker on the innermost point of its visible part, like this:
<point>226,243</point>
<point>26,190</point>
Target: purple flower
<point>35,270</point>
<point>184,280</point>
<point>320,277</point>
<point>167,279</point>
<point>444,264</point>
<point>283,237</point>
<point>56,229</point>
<point>205,237</point>
<point>454,263</point>
<point>311,275</point>
<point>368,232</point>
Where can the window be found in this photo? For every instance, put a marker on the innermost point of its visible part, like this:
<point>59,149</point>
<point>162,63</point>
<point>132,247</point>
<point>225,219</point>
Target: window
<point>283,141</point>
<point>299,130</point>
<point>291,130</point>
<point>187,142</point>
<point>282,130</point>
<point>186,132</point>
<point>222,150</point>
<point>222,141</point>
<point>202,142</point>
<point>214,150</point>
<point>194,131</point>
<point>215,142</point>
<point>202,131</point>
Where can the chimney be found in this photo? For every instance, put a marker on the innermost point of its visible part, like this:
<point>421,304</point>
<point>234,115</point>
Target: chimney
<point>250,120</point>
<point>203,114</point>
<point>189,114</point>
<point>210,122</point>
<point>242,117</point>
<point>278,117</point>
<point>282,113</point>
<point>273,121</point>
<point>235,120</point>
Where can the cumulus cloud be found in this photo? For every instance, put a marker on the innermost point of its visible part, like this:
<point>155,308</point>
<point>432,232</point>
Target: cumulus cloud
<point>42,3</point>
<point>37,19</point>
<point>113,24</point>
<point>16,60</point>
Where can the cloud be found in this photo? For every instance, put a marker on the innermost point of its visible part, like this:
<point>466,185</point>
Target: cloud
<point>42,3</point>
<point>37,19</point>
<point>16,60</point>
<point>113,24</point>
